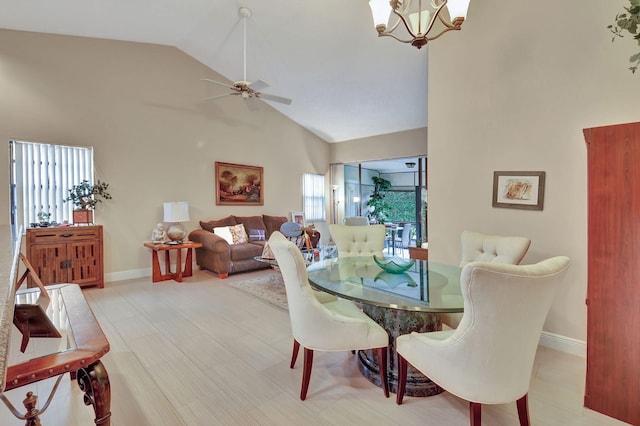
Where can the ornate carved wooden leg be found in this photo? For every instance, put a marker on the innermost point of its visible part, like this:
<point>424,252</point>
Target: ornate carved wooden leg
<point>402,379</point>
<point>475,409</point>
<point>31,415</point>
<point>94,382</point>
<point>306,374</point>
<point>382,365</point>
<point>523,410</point>
<point>294,354</point>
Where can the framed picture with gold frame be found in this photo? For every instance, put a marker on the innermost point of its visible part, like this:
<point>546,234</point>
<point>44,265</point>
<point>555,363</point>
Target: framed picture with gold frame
<point>239,185</point>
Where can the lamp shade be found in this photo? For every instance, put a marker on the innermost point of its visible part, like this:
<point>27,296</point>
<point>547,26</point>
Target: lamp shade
<point>176,211</point>
<point>380,10</point>
<point>458,8</point>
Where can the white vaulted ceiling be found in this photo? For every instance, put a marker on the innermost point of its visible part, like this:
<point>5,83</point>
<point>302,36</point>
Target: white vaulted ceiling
<point>345,82</point>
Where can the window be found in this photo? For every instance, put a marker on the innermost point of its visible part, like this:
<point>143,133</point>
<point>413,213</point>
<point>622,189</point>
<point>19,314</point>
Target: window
<point>41,175</point>
<point>313,198</point>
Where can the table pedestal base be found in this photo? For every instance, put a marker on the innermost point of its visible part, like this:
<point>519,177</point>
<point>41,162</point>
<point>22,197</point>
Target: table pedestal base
<point>397,322</point>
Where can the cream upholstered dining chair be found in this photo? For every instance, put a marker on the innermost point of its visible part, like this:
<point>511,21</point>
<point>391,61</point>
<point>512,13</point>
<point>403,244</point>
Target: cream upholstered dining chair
<point>488,359</point>
<point>337,325</point>
<point>477,246</point>
<point>358,240</point>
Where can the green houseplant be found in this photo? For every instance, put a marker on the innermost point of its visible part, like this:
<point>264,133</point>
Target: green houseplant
<point>629,20</point>
<point>85,197</point>
<point>378,206</point>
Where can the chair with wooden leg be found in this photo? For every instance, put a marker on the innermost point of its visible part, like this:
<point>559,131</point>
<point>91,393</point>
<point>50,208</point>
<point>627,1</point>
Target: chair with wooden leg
<point>319,325</point>
<point>488,359</point>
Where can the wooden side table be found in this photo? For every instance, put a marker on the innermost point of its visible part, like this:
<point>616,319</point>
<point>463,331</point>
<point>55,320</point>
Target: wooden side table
<point>419,253</point>
<point>157,274</point>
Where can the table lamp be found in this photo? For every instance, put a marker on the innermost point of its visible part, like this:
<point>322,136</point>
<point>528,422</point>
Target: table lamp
<point>174,213</point>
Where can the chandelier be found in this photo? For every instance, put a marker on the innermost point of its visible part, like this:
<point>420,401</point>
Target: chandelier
<point>422,24</point>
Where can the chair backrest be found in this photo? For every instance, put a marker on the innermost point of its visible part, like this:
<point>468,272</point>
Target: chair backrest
<point>307,315</point>
<point>477,246</point>
<point>356,221</point>
<point>358,240</point>
<point>406,234</point>
<point>505,307</point>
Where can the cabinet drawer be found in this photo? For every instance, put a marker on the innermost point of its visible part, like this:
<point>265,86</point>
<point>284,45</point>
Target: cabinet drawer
<point>47,235</point>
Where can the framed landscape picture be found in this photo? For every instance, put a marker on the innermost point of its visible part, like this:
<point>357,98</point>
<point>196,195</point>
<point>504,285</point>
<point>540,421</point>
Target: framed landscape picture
<point>237,184</point>
<point>518,190</point>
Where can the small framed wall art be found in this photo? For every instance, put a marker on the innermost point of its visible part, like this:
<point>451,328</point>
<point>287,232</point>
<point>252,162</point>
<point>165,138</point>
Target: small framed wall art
<point>518,190</point>
<point>239,185</point>
<point>298,217</point>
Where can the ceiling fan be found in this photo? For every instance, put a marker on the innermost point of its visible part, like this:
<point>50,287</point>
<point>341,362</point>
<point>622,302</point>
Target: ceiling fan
<point>248,91</point>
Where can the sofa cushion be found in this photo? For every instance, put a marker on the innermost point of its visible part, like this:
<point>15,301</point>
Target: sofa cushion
<point>273,223</point>
<point>251,222</point>
<point>224,232</point>
<point>244,251</point>
<point>238,233</point>
<point>256,234</point>
<point>225,221</point>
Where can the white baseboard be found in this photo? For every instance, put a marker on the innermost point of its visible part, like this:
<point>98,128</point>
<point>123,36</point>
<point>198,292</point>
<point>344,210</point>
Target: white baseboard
<point>127,275</point>
<point>564,344</point>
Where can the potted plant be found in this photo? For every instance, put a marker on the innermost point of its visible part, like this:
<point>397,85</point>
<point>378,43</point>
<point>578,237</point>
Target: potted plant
<point>629,20</point>
<point>85,197</point>
<point>378,206</point>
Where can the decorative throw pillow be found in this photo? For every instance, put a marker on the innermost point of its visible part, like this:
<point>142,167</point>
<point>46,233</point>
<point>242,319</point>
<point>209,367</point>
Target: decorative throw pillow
<point>224,232</point>
<point>256,235</point>
<point>238,233</point>
<point>267,253</point>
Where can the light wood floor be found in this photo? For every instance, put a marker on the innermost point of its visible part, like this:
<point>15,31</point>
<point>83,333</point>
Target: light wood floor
<point>203,353</point>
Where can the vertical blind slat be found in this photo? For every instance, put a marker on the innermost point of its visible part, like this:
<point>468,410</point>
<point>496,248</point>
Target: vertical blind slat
<point>43,175</point>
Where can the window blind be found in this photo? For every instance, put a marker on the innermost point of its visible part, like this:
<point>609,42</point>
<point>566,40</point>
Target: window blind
<point>313,197</point>
<point>41,176</point>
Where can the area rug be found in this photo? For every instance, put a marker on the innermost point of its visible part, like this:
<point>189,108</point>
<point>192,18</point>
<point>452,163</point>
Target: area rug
<point>268,287</point>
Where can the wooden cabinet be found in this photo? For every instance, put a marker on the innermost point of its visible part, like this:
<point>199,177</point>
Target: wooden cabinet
<point>613,297</point>
<point>67,255</point>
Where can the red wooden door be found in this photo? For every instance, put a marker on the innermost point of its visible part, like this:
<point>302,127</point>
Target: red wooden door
<point>613,296</point>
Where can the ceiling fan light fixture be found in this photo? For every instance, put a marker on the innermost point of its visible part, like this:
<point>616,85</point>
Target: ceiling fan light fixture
<point>418,22</point>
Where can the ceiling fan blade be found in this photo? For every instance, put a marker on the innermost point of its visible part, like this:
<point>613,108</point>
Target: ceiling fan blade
<point>217,82</point>
<point>274,98</point>
<point>259,85</point>
<point>210,98</point>
<point>251,104</point>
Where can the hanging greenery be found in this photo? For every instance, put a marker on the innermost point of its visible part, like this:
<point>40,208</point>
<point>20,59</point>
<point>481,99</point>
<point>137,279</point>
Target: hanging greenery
<point>378,206</point>
<point>629,20</point>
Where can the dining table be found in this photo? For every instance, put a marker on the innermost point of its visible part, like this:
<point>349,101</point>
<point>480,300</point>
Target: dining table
<point>401,302</point>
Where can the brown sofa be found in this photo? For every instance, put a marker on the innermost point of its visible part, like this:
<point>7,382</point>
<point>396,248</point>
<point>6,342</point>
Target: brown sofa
<point>217,255</point>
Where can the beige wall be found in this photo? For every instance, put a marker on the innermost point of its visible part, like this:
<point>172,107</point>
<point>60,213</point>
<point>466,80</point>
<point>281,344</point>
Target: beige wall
<point>411,143</point>
<point>513,91</point>
<point>140,106</point>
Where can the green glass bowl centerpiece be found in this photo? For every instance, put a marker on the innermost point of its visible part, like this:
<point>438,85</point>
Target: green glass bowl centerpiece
<point>393,265</point>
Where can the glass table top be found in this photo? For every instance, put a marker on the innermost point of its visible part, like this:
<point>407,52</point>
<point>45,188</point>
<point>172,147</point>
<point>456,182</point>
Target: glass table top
<point>427,286</point>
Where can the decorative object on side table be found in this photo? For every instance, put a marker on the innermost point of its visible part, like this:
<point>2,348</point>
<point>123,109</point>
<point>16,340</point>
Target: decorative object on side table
<point>85,196</point>
<point>176,212</point>
<point>158,235</point>
<point>393,265</point>
<point>629,21</point>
